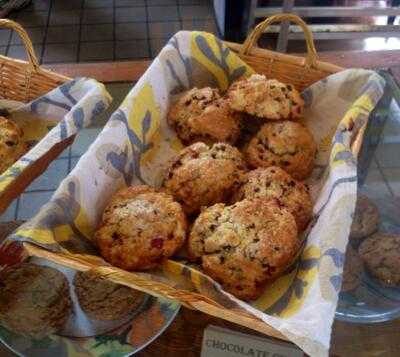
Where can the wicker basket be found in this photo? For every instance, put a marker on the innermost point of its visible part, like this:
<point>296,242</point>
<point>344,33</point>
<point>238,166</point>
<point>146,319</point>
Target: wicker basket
<point>23,81</point>
<point>299,71</point>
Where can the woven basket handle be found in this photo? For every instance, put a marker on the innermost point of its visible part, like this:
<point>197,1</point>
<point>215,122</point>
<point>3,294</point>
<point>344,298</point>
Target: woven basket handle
<point>253,37</point>
<point>32,59</point>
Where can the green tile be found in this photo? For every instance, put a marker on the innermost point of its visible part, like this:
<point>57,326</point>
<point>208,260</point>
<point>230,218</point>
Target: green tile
<point>9,214</point>
<point>83,140</point>
<point>31,202</point>
<point>51,178</point>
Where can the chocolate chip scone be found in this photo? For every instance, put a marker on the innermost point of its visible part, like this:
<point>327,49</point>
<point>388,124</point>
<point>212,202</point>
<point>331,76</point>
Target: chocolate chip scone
<point>102,299</point>
<point>12,146</point>
<point>34,300</point>
<point>366,219</point>
<point>140,228</point>
<point>244,245</point>
<point>380,254</point>
<point>266,98</point>
<point>201,175</point>
<point>202,115</point>
<point>275,183</point>
<point>352,269</point>
<point>286,144</point>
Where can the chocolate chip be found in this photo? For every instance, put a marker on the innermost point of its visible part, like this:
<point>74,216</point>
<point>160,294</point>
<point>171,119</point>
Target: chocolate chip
<point>291,183</point>
<point>285,163</point>
<point>226,248</point>
<point>256,240</point>
<point>115,236</point>
<point>256,189</point>
<point>289,87</point>
<point>278,100</point>
<point>277,249</point>
<point>221,259</point>
<point>10,143</point>
<point>251,226</point>
<point>240,288</point>
<point>212,227</point>
<point>214,156</point>
<point>273,162</point>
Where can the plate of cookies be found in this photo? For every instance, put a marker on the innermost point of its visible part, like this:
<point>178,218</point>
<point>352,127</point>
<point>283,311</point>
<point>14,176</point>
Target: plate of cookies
<point>47,309</point>
<point>219,188</point>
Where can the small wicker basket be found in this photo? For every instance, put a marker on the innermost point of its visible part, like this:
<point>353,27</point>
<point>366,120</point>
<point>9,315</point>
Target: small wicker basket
<point>23,81</point>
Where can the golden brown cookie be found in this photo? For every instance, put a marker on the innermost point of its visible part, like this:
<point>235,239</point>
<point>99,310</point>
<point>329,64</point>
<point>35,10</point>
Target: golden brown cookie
<point>366,219</point>
<point>352,269</point>
<point>244,245</point>
<point>266,98</point>
<point>12,146</point>
<point>202,115</point>
<point>140,228</point>
<point>102,299</point>
<point>286,144</point>
<point>275,183</point>
<point>34,300</point>
<point>201,175</point>
<point>380,254</point>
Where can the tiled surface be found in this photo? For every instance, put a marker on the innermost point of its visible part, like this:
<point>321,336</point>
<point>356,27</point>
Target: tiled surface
<point>104,30</point>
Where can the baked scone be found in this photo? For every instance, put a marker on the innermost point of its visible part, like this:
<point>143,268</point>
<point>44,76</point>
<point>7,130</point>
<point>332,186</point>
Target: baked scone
<point>275,183</point>
<point>202,115</point>
<point>102,299</point>
<point>201,175</point>
<point>34,300</point>
<point>286,144</point>
<point>266,98</point>
<point>380,254</point>
<point>12,146</point>
<point>244,245</point>
<point>352,269</point>
<point>366,219</point>
<point>140,228</point>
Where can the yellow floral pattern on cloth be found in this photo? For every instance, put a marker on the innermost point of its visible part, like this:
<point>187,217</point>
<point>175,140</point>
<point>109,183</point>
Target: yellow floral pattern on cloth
<point>137,142</point>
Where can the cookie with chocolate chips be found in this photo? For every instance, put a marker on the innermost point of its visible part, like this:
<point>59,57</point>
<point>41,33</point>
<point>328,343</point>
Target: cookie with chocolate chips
<point>380,254</point>
<point>202,115</point>
<point>203,175</point>
<point>104,300</point>
<point>34,300</point>
<point>366,219</point>
<point>266,98</point>
<point>273,183</point>
<point>140,228</point>
<point>286,144</point>
<point>244,245</point>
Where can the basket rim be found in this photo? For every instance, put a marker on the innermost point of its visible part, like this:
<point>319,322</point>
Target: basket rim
<point>284,57</point>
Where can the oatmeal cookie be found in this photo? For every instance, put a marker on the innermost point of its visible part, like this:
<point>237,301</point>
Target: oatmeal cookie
<point>380,254</point>
<point>201,175</point>
<point>266,98</point>
<point>286,144</point>
<point>102,299</point>
<point>366,219</point>
<point>202,115</point>
<point>140,228</point>
<point>275,183</point>
<point>352,269</point>
<point>12,147</point>
<point>34,300</point>
<point>244,245</point>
